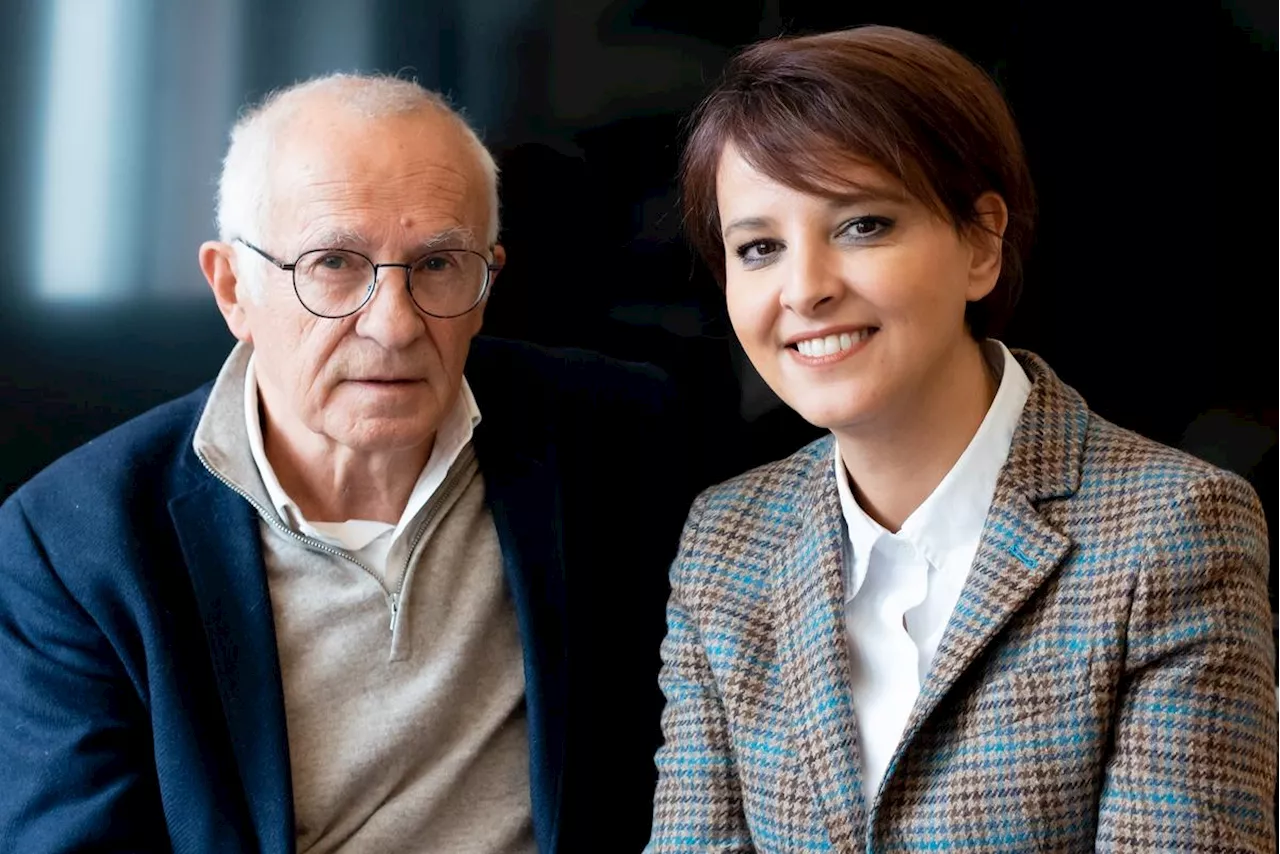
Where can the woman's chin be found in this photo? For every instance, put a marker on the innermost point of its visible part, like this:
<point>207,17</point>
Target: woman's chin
<point>841,417</point>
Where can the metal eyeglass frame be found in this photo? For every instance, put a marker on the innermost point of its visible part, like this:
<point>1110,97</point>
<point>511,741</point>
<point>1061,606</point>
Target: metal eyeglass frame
<point>490,269</point>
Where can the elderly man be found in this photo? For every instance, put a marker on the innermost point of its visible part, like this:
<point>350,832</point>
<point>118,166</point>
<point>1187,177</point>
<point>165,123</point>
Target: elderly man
<point>377,587</point>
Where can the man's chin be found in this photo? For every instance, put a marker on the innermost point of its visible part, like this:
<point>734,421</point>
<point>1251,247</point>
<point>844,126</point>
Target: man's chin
<point>383,434</point>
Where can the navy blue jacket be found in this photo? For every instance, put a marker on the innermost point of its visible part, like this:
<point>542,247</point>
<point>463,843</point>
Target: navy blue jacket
<point>140,699</point>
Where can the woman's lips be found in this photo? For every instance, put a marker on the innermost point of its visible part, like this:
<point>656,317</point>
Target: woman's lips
<point>820,350</point>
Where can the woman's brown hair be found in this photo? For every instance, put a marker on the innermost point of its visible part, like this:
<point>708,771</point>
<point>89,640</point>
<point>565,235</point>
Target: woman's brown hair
<point>800,109</point>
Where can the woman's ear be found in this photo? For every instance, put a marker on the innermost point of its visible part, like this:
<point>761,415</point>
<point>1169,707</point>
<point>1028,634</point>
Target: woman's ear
<point>986,242</point>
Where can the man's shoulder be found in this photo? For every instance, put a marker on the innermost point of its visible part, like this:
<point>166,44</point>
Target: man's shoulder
<point>124,460</point>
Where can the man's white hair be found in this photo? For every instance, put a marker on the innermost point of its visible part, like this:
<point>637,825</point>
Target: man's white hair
<point>244,184</point>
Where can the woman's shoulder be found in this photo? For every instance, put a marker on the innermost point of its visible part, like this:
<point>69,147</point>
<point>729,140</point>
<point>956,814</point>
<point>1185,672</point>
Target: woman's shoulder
<point>748,517</point>
<point>773,486</point>
<point>1059,432</point>
<point>737,529</point>
<point>1163,495</point>
<point>1119,457</point>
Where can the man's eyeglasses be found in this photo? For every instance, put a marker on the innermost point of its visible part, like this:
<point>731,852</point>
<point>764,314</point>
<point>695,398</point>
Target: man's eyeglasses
<point>337,283</point>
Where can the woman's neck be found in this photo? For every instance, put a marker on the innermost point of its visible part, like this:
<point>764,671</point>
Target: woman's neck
<point>897,462</point>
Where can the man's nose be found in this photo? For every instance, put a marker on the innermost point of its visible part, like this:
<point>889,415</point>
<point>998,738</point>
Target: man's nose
<point>391,317</point>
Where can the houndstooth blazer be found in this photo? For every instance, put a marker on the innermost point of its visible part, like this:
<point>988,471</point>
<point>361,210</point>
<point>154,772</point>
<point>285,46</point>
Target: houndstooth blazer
<point>1105,681</point>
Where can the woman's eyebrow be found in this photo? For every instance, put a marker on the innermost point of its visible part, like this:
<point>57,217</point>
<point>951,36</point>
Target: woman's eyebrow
<point>861,196</point>
<point>747,223</point>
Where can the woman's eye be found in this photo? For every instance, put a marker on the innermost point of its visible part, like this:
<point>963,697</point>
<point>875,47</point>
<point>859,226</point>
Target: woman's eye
<point>866,226</point>
<point>758,251</point>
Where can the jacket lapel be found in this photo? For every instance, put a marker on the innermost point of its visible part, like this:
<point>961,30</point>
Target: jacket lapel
<point>218,534</point>
<point>1019,549</point>
<point>522,492</point>
<point>814,655</point>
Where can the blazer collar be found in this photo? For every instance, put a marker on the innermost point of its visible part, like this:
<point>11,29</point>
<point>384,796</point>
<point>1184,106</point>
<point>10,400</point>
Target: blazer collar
<point>1047,453</point>
<point>521,479</point>
<point>217,531</point>
<point>1018,551</point>
<point>218,534</point>
<point>814,655</point>
<point>1020,548</point>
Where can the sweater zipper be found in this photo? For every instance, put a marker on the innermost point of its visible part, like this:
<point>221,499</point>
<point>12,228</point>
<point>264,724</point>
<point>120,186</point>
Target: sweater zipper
<point>440,499</point>
<point>445,490</point>
<point>270,519</point>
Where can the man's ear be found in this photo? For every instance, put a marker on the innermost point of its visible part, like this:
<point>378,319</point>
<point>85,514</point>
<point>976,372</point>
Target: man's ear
<point>986,241</point>
<point>218,263</point>
<point>499,260</point>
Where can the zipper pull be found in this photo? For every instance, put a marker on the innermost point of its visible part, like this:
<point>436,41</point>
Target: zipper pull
<point>395,611</point>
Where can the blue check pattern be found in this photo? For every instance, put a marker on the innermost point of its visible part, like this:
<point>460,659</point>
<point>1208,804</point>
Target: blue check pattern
<point>1104,683</point>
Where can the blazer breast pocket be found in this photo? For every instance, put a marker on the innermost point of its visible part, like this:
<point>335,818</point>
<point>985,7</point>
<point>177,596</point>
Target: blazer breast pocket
<point>1020,699</point>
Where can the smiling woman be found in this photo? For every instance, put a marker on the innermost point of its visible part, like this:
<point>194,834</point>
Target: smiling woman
<point>852,308</point>
<point>976,612</point>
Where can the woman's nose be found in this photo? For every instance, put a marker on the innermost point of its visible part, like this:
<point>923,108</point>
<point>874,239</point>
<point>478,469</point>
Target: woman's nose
<point>814,280</point>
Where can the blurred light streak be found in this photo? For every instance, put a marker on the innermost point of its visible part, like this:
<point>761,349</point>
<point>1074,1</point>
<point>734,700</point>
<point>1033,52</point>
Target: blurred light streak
<point>82,218</point>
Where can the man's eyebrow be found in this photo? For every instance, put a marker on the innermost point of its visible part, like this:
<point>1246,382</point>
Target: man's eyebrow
<point>458,237</point>
<point>334,238</point>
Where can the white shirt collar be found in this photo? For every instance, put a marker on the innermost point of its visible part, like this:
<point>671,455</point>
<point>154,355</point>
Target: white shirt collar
<point>354,534</point>
<point>953,515</point>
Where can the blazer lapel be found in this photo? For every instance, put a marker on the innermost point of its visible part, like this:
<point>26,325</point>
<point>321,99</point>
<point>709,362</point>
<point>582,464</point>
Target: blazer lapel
<point>218,533</point>
<point>815,658</point>
<point>523,495</point>
<point>1019,549</point>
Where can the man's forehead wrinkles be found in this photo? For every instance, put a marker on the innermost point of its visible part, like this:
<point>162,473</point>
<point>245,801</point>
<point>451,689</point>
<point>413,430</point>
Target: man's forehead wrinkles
<point>390,197</point>
<point>437,166</point>
<point>337,236</point>
<point>425,184</point>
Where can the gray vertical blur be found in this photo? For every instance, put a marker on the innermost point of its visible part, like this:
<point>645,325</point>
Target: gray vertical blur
<point>127,103</point>
<point>136,99</point>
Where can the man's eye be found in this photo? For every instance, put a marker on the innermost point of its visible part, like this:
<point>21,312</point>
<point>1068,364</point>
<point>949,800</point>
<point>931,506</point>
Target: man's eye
<point>333,261</point>
<point>436,263</point>
<point>758,251</point>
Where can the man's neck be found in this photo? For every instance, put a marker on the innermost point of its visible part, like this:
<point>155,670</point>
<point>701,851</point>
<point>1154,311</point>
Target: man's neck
<point>332,483</point>
<point>893,467</point>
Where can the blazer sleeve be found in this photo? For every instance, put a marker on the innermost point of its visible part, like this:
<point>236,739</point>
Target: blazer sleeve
<point>698,805</point>
<point>1193,766</point>
<point>72,760</point>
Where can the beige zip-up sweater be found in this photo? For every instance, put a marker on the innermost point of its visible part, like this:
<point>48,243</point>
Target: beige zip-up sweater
<point>404,736</point>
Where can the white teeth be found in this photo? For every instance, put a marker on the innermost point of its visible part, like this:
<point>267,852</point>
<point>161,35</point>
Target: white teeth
<point>830,344</point>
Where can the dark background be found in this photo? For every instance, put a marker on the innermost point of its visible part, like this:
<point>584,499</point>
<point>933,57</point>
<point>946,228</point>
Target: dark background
<point>1151,131</point>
